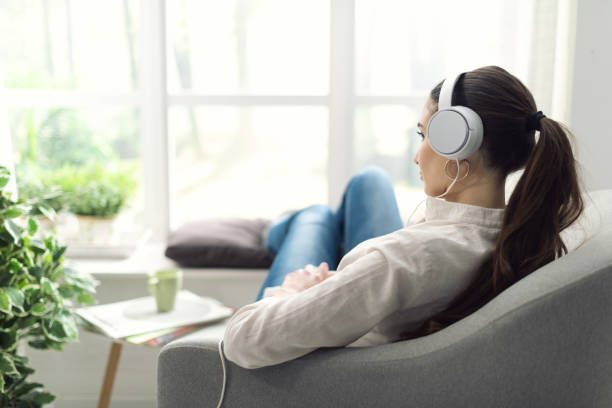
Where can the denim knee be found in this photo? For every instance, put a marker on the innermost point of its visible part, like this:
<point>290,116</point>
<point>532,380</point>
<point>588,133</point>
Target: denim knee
<point>370,176</point>
<point>318,214</point>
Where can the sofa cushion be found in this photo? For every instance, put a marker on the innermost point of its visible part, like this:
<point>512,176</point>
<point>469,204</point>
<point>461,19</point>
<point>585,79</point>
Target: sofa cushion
<point>220,242</point>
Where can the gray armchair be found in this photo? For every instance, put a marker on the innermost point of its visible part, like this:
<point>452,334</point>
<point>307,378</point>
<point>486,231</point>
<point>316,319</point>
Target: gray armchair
<point>544,342</point>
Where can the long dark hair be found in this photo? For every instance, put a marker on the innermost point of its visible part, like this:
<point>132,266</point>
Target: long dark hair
<point>546,199</point>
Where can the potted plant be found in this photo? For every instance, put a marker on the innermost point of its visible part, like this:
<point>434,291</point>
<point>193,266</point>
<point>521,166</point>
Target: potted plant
<point>94,193</point>
<point>97,200</point>
<point>97,205</point>
<point>36,294</point>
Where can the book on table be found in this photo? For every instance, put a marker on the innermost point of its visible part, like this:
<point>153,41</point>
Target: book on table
<point>138,321</point>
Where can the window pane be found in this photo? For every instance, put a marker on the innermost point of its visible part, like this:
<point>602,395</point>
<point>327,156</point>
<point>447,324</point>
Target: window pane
<point>258,47</point>
<point>85,44</point>
<point>248,162</point>
<point>386,136</point>
<point>406,47</point>
<point>47,140</point>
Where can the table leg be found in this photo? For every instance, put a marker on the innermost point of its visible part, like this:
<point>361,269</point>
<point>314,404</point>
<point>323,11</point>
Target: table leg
<point>109,377</point>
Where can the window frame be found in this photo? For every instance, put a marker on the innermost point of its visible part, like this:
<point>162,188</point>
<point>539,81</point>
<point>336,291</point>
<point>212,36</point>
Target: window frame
<point>153,100</point>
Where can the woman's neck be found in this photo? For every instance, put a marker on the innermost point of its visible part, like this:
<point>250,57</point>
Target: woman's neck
<point>484,194</point>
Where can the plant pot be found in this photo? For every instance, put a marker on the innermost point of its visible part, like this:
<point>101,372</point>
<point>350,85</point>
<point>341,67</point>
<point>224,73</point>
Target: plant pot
<point>65,225</point>
<point>97,230</point>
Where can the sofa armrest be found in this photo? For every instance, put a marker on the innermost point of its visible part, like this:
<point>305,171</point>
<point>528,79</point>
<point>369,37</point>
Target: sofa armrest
<point>190,375</point>
<point>189,372</point>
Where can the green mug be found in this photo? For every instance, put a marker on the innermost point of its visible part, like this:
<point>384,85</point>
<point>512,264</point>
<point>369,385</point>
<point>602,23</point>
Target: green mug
<point>164,285</point>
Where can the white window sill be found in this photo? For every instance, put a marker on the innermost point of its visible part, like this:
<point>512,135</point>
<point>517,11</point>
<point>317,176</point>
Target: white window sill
<point>149,258</point>
<point>122,279</point>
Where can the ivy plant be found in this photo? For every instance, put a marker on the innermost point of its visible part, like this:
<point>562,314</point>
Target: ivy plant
<point>37,293</point>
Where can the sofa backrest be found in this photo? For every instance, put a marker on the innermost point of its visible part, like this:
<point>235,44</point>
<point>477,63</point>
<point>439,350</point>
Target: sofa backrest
<point>589,242</point>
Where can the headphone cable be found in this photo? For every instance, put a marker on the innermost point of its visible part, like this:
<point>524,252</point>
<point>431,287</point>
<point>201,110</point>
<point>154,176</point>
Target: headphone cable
<point>224,373</point>
<point>448,189</point>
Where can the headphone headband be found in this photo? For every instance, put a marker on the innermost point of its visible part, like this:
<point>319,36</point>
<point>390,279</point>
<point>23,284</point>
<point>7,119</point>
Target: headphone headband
<point>446,93</point>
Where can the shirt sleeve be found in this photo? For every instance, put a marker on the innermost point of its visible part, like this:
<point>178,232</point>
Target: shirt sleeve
<point>333,313</point>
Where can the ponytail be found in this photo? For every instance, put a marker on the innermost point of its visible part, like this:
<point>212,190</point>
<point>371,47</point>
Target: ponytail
<point>546,200</point>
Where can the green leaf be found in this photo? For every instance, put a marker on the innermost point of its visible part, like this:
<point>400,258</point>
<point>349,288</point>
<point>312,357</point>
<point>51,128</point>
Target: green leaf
<point>13,229</point>
<point>43,398</point>
<point>5,303</point>
<point>86,299</point>
<point>84,283</point>
<point>32,226</point>
<point>30,322</point>
<point>24,388</point>
<point>68,324</point>
<point>12,212</point>
<point>15,266</point>
<point>25,371</point>
<point>20,360</point>
<point>2,383</point>
<point>36,271</point>
<point>48,287</point>
<point>16,296</point>
<point>57,274</point>
<point>58,254</point>
<point>47,212</point>
<point>55,345</point>
<point>7,366</point>
<point>39,309</point>
<point>30,289</point>
<point>38,344</point>
<point>27,255</point>
<point>5,238</point>
<point>49,243</point>
<point>54,330</point>
<point>4,179</point>
<point>8,340</point>
<point>66,291</point>
<point>38,246</point>
<point>19,312</point>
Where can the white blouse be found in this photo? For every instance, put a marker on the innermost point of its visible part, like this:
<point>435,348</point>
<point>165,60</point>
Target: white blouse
<point>384,286</point>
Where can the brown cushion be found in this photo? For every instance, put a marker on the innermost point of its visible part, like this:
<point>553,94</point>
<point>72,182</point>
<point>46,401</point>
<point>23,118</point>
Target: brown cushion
<point>221,242</point>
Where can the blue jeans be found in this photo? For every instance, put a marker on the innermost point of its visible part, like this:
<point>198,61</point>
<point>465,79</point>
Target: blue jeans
<point>317,234</point>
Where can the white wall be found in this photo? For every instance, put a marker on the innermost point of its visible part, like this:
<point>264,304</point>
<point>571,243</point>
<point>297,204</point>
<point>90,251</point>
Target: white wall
<point>6,148</point>
<point>591,95</point>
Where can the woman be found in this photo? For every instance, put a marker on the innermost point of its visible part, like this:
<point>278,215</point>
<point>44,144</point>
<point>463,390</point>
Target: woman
<point>395,282</point>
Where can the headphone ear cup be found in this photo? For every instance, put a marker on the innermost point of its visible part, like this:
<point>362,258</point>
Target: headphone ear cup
<point>455,133</point>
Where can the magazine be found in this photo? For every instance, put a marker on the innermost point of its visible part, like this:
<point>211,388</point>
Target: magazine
<point>138,316</point>
<point>160,341</point>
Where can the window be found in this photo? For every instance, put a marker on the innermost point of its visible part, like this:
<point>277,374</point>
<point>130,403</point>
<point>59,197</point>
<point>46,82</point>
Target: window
<point>71,76</point>
<point>252,107</point>
<point>247,83</point>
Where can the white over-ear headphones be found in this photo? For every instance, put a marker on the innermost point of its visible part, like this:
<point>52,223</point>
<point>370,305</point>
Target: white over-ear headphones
<point>454,132</point>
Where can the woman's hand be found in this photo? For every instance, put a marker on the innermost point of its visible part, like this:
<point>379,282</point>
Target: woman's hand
<point>303,279</point>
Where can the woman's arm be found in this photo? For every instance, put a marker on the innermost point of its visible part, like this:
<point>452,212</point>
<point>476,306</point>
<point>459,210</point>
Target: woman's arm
<point>302,279</point>
<point>335,312</point>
